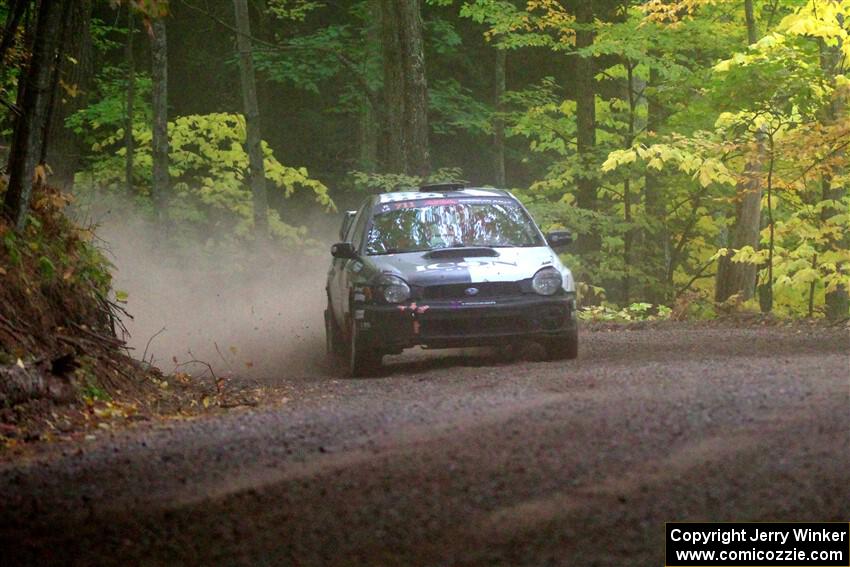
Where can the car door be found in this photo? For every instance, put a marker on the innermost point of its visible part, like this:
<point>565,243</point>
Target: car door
<point>339,284</point>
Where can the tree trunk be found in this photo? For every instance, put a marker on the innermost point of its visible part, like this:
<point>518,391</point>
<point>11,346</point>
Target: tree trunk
<point>586,196</point>
<point>749,15</point>
<point>76,70</point>
<point>159,76</point>
<point>498,123</point>
<point>253,139</point>
<point>405,88</point>
<point>837,305</point>
<point>393,142</point>
<point>628,235</point>
<point>55,76</point>
<point>129,144</point>
<point>369,122</point>
<point>28,139</point>
<point>264,31</point>
<point>739,277</point>
<point>656,238</point>
<point>766,288</point>
<point>15,12</point>
<point>837,301</point>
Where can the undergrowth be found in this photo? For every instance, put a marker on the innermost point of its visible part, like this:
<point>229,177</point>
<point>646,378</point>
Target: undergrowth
<point>57,317</point>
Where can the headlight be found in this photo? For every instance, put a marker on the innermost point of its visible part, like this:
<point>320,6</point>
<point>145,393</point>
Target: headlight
<point>547,281</point>
<point>394,289</point>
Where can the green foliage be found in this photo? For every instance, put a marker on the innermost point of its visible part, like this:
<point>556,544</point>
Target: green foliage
<point>686,115</point>
<point>372,183</point>
<point>633,312</point>
<point>209,170</point>
<point>90,390</point>
<point>107,112</point>
<point>455,109</point>
<point>297,10</point>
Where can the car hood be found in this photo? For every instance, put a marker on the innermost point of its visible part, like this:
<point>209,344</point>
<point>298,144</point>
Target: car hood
<point>509,264</point>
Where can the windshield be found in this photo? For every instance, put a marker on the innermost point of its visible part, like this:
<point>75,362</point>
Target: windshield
<point>415,226</point>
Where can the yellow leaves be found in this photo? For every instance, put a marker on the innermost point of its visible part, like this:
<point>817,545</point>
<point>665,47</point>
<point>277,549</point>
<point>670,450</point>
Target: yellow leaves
<point>737,59</point>
<point>805,276</point>
<point>705,170</point>
<point>721,253</point>
<point>672,12</point>
<point>52,200</point>
<point>747,255</point>
<point>84,234</point>
<point>713,170</point>
<point>72,91</point>
<point>819,18</point>
<point>40,173</point>
<point>617,158</point>
<point>554,17</point>
<point>113,410</point>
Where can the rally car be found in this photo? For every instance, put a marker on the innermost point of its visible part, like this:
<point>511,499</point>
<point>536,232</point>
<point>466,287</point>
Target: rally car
<point>446,266</point>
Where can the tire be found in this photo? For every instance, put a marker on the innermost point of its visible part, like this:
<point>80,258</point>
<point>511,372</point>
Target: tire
<point>564,347</point>
<point>334,343</point>
<point>362,361</point>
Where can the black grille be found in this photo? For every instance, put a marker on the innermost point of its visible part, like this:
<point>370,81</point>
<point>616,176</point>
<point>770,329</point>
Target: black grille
<point>483,323</point>
<point>473,326</point>
<point>459,291</point>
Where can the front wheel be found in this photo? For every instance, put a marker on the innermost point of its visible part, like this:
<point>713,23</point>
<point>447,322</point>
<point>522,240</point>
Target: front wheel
<point>362,360</point>
<point>564,347</point>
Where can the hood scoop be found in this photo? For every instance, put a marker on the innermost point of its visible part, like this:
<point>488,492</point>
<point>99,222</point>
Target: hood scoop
<point>460,253</point>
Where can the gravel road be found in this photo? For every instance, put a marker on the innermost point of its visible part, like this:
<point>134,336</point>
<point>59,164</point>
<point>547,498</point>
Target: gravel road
<point>458,460</point>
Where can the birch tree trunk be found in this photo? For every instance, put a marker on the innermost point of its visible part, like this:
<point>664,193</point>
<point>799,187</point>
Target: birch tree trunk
<point>253,138</point>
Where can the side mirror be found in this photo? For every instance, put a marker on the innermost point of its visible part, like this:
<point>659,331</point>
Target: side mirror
<point>343,250</point>
<point>559,238</point>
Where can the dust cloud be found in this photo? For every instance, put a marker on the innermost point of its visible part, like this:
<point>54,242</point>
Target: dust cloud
<point>259,320</point>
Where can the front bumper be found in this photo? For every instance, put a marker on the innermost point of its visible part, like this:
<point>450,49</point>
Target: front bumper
<point>455,323</point>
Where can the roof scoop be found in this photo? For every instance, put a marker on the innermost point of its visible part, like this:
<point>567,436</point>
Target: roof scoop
<point>453,253</point>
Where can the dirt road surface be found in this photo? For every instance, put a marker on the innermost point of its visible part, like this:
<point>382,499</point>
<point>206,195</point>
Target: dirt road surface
<point>465,461</point>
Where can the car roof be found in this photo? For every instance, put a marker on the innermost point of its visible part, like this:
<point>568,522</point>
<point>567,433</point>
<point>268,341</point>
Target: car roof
<point>438,193</point>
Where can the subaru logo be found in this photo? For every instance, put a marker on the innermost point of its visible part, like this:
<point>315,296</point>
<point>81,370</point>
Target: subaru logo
<point>471,291</point>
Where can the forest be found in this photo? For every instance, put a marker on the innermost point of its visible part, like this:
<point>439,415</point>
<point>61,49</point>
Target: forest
<point>696,148</point>
<point>208,357</point>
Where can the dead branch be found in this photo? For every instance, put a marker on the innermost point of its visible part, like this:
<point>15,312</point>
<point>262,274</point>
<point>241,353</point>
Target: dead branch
<point>114,341</point>
<point>150,340</point>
